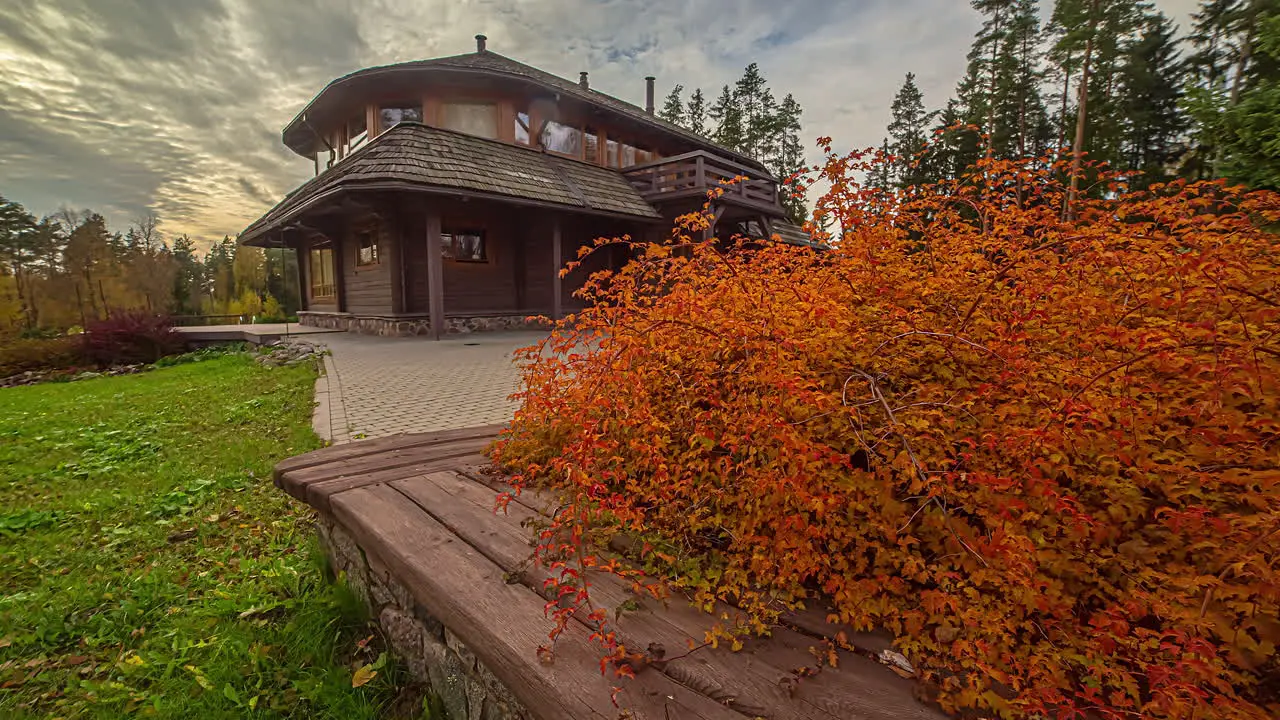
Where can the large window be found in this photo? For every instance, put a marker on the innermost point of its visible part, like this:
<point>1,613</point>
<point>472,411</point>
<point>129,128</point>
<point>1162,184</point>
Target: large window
<point>367,254</point>
<point>391,115</point>
<point>562,139</point>
<point>464,245</point>
<point>321,273</point>
<point>628,156</point>
<point>611,157</point>
<point>522,128</point>
<point>357,131</point>
<point>591,146</point>
<point>480,119</point>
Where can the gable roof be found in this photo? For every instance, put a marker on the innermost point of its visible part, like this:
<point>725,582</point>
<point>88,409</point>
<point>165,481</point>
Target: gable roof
<point>489,62</point>
<point>417,157</point>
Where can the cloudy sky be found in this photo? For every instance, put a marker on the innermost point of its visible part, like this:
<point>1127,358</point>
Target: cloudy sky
<point>176,106</point>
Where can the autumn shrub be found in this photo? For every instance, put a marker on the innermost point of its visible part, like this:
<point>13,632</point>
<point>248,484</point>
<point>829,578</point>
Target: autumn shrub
<point>19,355</point>
<point>1037,440</point>
<point>128,338</point>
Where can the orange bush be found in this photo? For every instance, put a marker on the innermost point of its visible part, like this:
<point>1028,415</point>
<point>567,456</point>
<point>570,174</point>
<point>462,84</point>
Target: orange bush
<point>1044,452</point>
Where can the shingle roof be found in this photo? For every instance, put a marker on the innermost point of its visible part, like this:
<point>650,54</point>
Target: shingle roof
<point>434,158</point>
<point>490,61</point>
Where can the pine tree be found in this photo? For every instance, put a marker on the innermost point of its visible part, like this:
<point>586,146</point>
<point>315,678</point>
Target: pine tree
<point>1152,79</point>
<point>696,113</point>
<point>673,108</point>
<point>788,158</point>
<point>1250,131</point>
<point>757,108</point>
<point>728,118</point>
<point>907,134</point>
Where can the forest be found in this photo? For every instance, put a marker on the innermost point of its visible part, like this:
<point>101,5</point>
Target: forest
<point>67,269</point>
<point>1112,81</point>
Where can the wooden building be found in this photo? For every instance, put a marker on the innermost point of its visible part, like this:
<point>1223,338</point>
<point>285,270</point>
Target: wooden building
<point>449,192</point>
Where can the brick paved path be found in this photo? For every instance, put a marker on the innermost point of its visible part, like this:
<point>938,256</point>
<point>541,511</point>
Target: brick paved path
<point>376,386</point>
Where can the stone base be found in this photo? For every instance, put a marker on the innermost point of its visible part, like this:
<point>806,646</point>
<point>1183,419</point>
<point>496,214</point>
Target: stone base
<point>413,325</point>
<point>432,654</point>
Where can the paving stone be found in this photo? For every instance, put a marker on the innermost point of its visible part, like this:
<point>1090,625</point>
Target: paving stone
<point>375,386</point>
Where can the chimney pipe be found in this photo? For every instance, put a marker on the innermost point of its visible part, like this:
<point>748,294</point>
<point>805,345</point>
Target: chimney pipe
<point>648,94</point>
<point>480,40</point>
<point>582,80</point>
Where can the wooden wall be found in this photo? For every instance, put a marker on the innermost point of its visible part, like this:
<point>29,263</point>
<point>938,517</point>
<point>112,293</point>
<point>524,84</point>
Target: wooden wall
<point>368,288</point>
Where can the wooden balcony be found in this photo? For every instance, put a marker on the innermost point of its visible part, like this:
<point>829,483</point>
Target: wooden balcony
<point>689,177</point>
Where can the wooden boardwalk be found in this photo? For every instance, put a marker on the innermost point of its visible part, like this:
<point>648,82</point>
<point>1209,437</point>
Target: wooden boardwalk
<point>420,504</point>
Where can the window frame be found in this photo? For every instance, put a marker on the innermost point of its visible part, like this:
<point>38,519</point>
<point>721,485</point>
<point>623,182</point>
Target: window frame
<point>447,244</point>
<point>401,106</point>
<point>368,239</point>
<point>318,271</point>
<point>546,125</point>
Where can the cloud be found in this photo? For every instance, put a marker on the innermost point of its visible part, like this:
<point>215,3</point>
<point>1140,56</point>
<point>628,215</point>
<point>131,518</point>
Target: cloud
<point>176,106</point>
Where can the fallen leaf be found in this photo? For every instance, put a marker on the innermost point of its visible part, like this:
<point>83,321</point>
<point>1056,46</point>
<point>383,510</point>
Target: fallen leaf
<point>184,535</point>
<point>74,660</point>
<point>363,676</point>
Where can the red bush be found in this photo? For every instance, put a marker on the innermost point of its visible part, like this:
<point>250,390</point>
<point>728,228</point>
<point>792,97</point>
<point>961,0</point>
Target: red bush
<point>1043,450</point>
<point>128,338</point>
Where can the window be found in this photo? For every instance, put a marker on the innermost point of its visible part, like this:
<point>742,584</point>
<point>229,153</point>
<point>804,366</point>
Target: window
<point>522,128</point>
<point>628,156</point>
<point>321,273</point>
<point>464,245</point>
<point>476,119</point>
<point>562,139</point>
<point>357,131</point>
<point>611,157</point>
<point>591,146</point>
<point>368,252</point>
<point>324,160</point>
<point>392,115</point>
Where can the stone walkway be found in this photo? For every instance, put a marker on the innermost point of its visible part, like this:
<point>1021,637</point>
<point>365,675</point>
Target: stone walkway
<point>373,386</point>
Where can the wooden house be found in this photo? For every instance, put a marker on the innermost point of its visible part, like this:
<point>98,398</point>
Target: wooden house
<point>449,192</point>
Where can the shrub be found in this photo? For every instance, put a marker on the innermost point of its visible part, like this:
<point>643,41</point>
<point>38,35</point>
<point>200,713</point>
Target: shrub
<point>128,338</point>
<point>38,354</point>
<point>1044,452</point>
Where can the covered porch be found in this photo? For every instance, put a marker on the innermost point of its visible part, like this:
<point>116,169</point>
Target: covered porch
<point>397,264</point>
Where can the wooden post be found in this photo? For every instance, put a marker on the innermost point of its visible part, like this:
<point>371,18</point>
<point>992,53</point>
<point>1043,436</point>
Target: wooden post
<point>391,230</point>
<point>303,253</point>
<point>338,242</point>
<point>556,303</point>
<point>435,274</point>
<point>520,238</point>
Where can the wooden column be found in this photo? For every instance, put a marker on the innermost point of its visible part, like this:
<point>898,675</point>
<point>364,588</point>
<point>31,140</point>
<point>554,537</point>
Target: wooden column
<point>391,232</point>
<point>435,273</point>
<point>301,246</point>
<point>338,242</point>
<point>557,311</point>
<point>520,237</point>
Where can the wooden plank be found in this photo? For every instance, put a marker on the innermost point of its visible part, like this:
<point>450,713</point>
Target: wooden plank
<point>557,301</point>
<point>320,495</point>
<point>503,624</point>
<point>753,681</point>
<point>362,448</point>
<point>435,273</point>
<point>296,482</point>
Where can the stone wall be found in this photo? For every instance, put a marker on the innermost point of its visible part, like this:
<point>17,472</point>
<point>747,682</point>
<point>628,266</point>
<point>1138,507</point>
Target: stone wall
<point>411,326</point>
<point>430,651</point>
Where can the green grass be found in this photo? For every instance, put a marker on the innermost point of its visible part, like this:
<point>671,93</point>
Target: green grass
<point>105,610</point>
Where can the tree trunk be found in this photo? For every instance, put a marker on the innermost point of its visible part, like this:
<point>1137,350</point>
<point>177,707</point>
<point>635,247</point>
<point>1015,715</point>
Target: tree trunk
<point>1246,52</point>
<point>1066,89</point>
<point>1082,113</point>
<point>991,94</point>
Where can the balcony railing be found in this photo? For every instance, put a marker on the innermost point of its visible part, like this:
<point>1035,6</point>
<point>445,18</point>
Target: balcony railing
<point>690,176</point>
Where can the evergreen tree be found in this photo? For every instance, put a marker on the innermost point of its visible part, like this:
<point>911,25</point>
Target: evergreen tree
<point>728,118</point>
<point>1250,129</point>
<point>696,113</point>
<point>673,108</point>
<point>758,110</point>
<point>788,158</point>
<point>189,278</point>
<point>1152,80</point>
<point>907,134</point>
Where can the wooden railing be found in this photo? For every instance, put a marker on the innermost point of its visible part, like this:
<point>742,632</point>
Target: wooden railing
<point>692,174</point>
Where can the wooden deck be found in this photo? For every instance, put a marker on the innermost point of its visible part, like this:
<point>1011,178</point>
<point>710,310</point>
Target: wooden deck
<point>253,333</point>
<point>421,505</point>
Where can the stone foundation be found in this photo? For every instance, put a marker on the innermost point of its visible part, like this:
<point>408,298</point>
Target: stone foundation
<point>411,325</point>
<point>432,654</point>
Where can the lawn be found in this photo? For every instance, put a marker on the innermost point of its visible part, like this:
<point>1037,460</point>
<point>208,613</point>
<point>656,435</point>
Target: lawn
<point>148,566</point>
